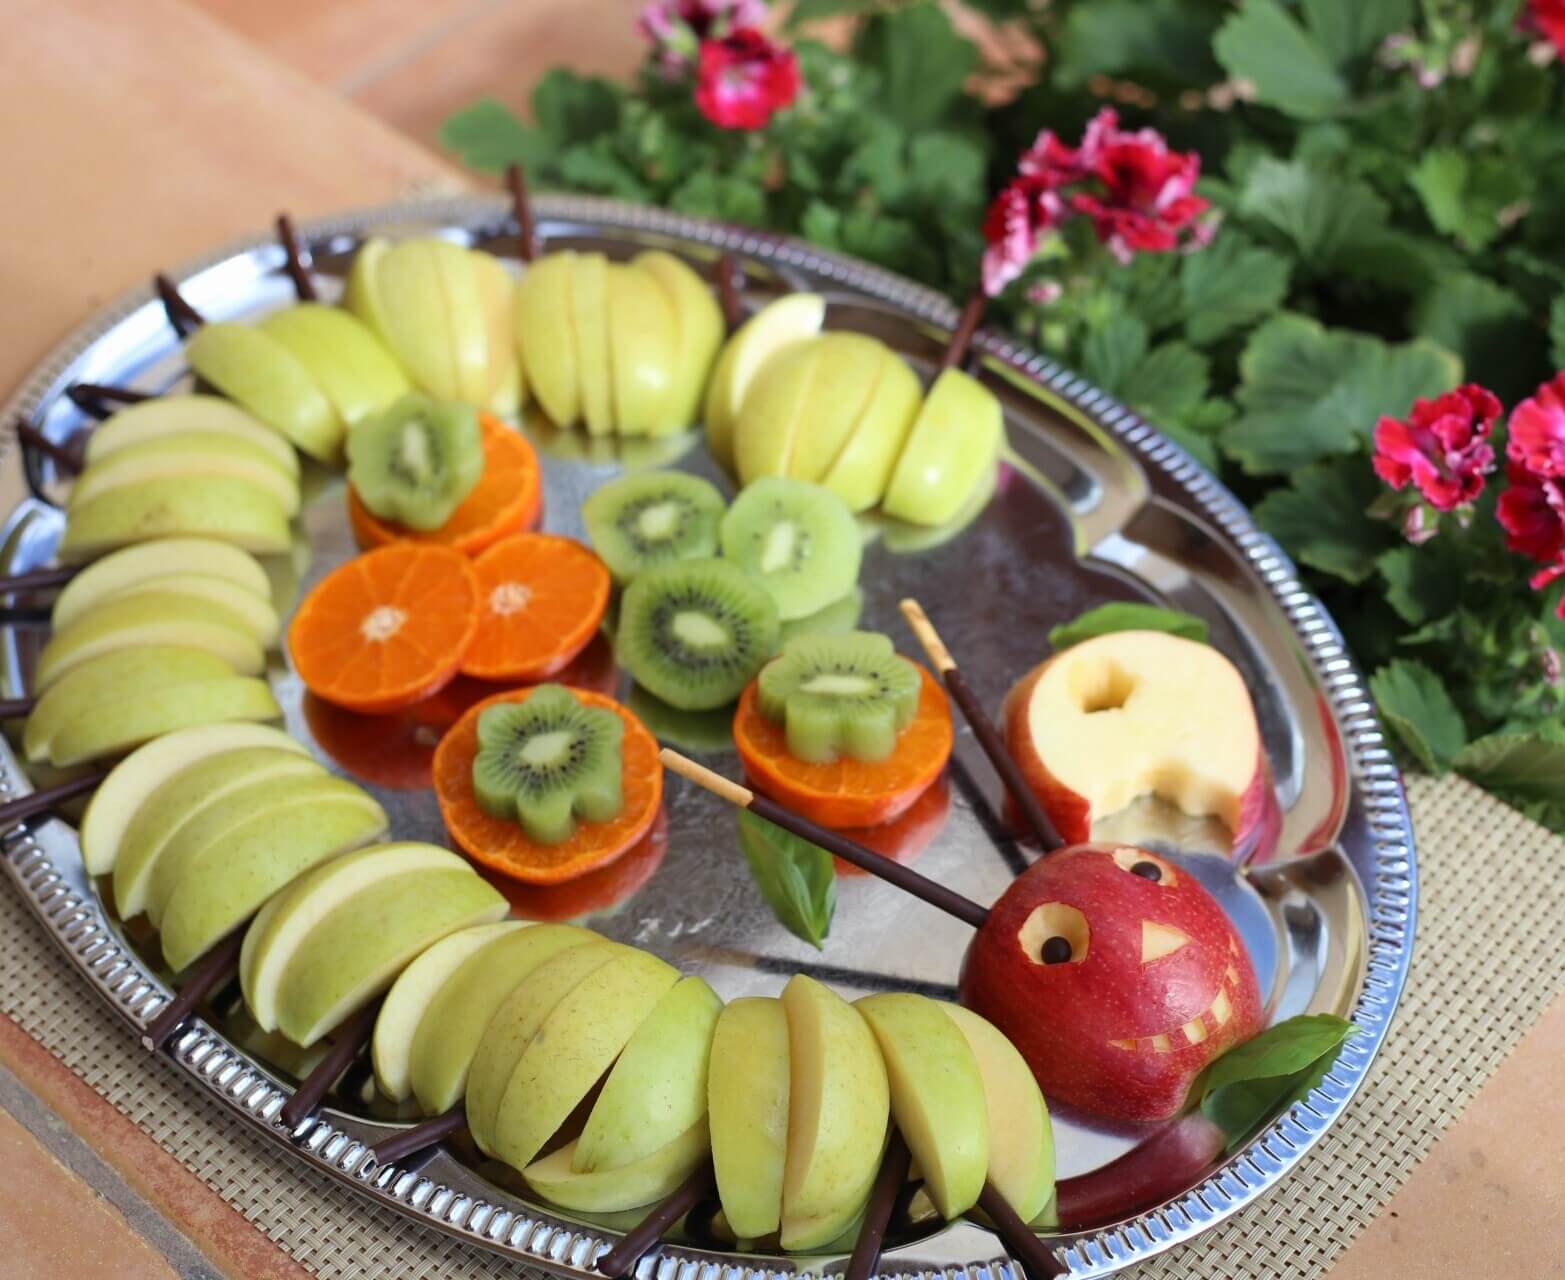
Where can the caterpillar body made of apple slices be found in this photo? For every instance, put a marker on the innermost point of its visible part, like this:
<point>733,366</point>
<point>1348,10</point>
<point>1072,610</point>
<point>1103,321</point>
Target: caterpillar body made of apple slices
<point>843,410</point>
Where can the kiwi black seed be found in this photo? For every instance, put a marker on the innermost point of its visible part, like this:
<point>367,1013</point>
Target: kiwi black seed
<point>653,518</point>
<point>695,632</point>
<point>547,761</point>
<point>416,460</point>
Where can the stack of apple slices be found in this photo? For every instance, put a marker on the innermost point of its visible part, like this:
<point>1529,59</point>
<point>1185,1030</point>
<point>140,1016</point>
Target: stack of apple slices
<point>623,347</point>
<point>199,828</point>
<point>182,466</point>
<point>845,411</point>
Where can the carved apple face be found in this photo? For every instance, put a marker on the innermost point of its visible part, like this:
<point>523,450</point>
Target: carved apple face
<point>1116,975</point>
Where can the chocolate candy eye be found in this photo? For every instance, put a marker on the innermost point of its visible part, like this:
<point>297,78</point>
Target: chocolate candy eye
<point>1147,871</point>
<point>1147,866</point>
<point>1056,950</point>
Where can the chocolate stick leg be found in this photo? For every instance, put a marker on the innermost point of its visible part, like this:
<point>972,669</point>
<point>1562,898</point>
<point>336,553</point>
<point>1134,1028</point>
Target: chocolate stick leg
<point>621,1260</point>
<point>983,727</point>
<point>424,1134</point>
<point>1020,1240</point>
<point>62,455</point>
<point>203,980</point>
<point>95,398</point>
<point>13,708</point>
<point>522,212</point>
<point>350,1039</point>
<point>42,801</point>
<point>38,579</point>
<point>184,317</point>
<point>877,1214</point>
<point>293,263</point>
<point>909,881</point>
<point>966,326</point>
<point>730,282</point>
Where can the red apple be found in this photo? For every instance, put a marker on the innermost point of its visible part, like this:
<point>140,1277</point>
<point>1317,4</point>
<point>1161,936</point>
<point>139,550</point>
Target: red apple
<point>1116,975</point>
<point>1142,735</point>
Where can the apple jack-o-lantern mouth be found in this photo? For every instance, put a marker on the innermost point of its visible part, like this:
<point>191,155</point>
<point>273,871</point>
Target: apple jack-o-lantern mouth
<point>1211,1019</point>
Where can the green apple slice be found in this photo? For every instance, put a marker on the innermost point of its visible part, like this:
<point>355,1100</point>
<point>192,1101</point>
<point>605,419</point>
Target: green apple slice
<point>505,387</point>
<point>252,368</point>
<point>698,322</point>
<point>937,1095</point>
<point>118,799</point>
<point>773,415</point>
<point>414,994</point>
<point>348,362</point>
<point>448,1036</point>
<point>838,1105</point>
<point>747,1100</point>
<point>253,612</point>
<point>284,922</point>
<point>151,617</point>
<point>222,508</point>
<point>161,814</point>
<point>644,1181</point>
<point>461,315</point>
<point>357,950</point>
<point>656,1089</point>
<point>176,415</point>
<point>954,439</point>
<point>776,326</point>
<point>848,370</point>
<point>546,335</point>
<point>859,474</point>
<point>131,566</point>
<point>196,454</point>
<point>230,881</point>
<point>508,1032</point>
<point>590,312</point>
<point>575,1044</point>
<point>114,727</point>
<point>217,825</point>
<point>643,350</point>
<point>395,290</point>
<point>1021,1138</point>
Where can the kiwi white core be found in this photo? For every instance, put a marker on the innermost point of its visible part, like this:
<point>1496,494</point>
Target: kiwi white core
<point>699,630</point>
<point>658,521</point>
<point>781,540</point>
<point>413,451</point>
<point>839,684</point>
<point>381,623</point>
<point>547,748</point>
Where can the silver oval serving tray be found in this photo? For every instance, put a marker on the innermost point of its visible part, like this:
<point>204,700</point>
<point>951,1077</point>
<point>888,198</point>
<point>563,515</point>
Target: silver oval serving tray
<point>1092,504</point>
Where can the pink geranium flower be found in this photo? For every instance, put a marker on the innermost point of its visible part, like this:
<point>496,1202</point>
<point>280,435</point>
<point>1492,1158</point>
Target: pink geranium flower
<point>744,79</point>
<point>1537,429</point>
<point>1143,199</point>
<point>1442,448</point>
<point>1547,18</point>
<point>677,27</point>
<point>1531,510</point>
<point>1014,228</point>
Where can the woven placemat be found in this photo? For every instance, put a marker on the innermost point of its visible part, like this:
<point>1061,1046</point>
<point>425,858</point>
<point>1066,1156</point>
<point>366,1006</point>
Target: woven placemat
<point>1457,1020</point>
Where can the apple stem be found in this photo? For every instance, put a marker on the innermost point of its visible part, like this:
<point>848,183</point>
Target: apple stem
<point>65,456</point>
<point>41,801</point>
<point>1037,1259</point>
<point>38,579</point>
<point>730,288</point>
<point>181,314</point>
<point>522,212</point>
<point>983,727</point>
<point>419,1136</point>
<point>11,708</point>
<point>293,260</point>
<point>94,398</point>
<point>350,1039</point>
<point>909,881</point>
<point>203,979</point>
<point>877,1213</point>
<point>966,326</point>
<point>621,1260</point>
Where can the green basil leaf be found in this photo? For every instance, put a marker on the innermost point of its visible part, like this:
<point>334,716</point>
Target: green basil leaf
<point>1269,1073</point>
<point>1263,43</point>
<point>1416,705</point>
<point>1321,517</point>
<point>798,879</point>
<point>1122,616</point>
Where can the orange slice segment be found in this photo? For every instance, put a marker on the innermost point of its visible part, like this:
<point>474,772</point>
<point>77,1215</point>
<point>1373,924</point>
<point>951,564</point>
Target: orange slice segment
<point>541,599</point>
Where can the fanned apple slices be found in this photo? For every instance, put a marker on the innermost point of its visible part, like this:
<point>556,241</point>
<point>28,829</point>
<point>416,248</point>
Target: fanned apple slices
<point>624,348</point>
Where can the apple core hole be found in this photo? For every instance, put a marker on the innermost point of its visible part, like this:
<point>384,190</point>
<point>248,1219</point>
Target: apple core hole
<point>1101,686</point>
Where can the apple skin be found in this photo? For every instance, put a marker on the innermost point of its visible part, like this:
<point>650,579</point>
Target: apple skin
<point>1255,830</point>
<point>1072,1020</point>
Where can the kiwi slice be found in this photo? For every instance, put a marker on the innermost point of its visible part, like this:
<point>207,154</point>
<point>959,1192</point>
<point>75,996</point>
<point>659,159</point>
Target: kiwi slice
<point>797,540</point>
<point>698,732</point>
<point>837,617</point>
<point>547,761</point>
<point>694,632</point>
<point>640,521</point>
<point>843,695</point>
<point>413,462</point>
